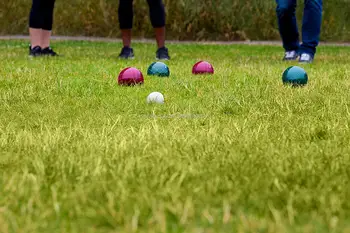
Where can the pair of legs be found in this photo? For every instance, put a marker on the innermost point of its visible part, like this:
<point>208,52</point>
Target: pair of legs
<point>40,23</point>
<point>157,16</point>
<point>311,26</point>
<point>160,37</point>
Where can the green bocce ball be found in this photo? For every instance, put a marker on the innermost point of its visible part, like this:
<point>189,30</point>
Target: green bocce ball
<point>158,69</point>
<point>295,76</point>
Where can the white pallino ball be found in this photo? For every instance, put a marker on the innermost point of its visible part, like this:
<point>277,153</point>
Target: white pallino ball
<point>155,97</point>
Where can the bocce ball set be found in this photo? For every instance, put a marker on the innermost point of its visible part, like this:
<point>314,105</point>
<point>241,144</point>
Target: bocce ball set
<point>130,76</point>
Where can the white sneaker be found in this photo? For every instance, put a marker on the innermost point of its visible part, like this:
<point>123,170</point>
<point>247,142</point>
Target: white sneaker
<point>290,55</point>
<point>305,58</point>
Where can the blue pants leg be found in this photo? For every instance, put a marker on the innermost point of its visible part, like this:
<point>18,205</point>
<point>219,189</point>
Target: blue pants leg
<point>287,24</point>
<point>288,27</point>
<point>311,26</point>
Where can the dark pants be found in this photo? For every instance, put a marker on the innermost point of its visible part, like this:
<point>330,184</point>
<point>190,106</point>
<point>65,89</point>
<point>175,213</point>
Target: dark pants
<point>311,26</point>
<point>126,14</point>
<point>41,14</point>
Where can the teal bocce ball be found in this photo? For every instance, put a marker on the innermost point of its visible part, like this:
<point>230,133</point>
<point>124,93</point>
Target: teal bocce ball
<point>295,76</point>
<point>158,69</point>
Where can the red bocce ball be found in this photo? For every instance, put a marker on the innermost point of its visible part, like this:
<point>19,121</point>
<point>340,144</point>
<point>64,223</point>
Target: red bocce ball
<point>202,67</point>
<point>130,76</point>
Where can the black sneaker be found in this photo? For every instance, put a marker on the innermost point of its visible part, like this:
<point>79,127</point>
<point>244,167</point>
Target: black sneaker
<point>35,52</point>
<point>290,55</point>
<point>162,54</point>
<point>48,52</point>
<point>127,53</point>
<point>306,58</point>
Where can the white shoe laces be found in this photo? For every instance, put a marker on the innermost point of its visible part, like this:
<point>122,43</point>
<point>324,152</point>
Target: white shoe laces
<point>305,56</point>
<point>290,54</point>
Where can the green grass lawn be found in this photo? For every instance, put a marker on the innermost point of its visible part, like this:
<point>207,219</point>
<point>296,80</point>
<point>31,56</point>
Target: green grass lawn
<point>234,152</point>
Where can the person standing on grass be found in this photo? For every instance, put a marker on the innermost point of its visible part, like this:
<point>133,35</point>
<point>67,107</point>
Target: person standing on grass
<point>40,26</point>
<point>311,28</point>
<point>157,16</point>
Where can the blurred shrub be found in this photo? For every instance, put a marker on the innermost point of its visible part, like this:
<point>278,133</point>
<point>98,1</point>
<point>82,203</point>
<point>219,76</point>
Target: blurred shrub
<point>186,19</point>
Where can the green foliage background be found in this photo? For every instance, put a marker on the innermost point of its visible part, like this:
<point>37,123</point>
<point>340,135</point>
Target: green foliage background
<point>186,19</point>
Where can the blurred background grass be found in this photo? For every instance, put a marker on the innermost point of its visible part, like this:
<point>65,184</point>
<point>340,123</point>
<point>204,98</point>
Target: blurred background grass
<point>186,19</point>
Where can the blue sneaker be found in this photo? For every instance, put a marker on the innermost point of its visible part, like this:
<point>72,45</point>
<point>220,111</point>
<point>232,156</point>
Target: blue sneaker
<point>127,53</point>
<point>35,52</point>
<point>162,54</point>
<point>290,55</point>
<point>48,52</point>
<point>306,58</point>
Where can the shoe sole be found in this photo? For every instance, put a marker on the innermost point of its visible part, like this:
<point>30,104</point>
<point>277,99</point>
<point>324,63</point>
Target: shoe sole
<point>48,55</point>
<point>291,59</point>
<point>163,59</point>
<point>128,58</point>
